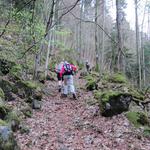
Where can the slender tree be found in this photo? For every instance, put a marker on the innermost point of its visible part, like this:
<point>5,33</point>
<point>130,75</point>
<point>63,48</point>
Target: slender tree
<point>96,36</point>
<point>137,45</point>
<point>119,18</point>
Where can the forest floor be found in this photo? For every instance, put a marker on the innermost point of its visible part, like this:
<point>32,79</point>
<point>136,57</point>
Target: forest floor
<point>67,124</point>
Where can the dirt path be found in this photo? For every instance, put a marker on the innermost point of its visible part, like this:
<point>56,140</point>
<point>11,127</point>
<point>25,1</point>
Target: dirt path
<point>66,124</point>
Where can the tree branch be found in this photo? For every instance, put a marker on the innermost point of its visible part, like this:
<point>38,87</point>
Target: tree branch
<point>7,23</point>
<point>49,25</point>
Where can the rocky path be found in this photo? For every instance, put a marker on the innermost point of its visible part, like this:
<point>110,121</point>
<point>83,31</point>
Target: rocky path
<point>67,124</point>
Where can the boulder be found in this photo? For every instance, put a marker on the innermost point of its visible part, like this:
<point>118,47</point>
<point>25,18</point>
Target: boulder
<point>13,119</point>
<point>113,103</point>
<point>7,140</point>
<point>36,104</point>
<point>26,110</point>
<point>8,88</point>
<point>138,119</point>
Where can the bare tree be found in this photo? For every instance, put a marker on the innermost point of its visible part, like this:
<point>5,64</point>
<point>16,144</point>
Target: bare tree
<point>119,18</point>
<point>137,44</point>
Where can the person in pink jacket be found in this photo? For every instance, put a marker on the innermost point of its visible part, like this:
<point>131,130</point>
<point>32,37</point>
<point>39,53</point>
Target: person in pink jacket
<point>67,73</point>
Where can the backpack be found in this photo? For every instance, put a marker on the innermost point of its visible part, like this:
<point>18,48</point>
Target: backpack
<point>68,68</point>
<point>58,68</point>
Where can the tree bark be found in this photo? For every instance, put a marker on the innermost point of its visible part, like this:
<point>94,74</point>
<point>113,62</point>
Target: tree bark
<point>96,41</point>
<point>119,57</point>
<point>137,45</point>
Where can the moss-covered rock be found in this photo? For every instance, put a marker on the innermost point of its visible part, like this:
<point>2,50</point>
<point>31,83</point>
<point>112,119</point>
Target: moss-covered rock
<point>7,140</point>
<point>36,104</point>
<point>138,118</point>
<point>113,103</point>
<point>8,88</point>
<point>29,84</point>
<point>27,88</point>
<point>26,110</point>
<point>13,119</point>
<point>4,109</point>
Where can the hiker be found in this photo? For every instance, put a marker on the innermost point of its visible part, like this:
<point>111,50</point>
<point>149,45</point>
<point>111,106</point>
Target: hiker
<point>60,79</point>
<point>87,66</point>
<point>67,72</point>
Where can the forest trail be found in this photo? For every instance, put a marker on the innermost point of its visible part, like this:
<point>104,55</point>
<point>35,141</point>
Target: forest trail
<point>67,124</point>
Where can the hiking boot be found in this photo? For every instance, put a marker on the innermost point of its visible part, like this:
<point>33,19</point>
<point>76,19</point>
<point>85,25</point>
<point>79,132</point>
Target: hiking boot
<point>63,95</point>
<point>59,89</point>
<point>74,96</point>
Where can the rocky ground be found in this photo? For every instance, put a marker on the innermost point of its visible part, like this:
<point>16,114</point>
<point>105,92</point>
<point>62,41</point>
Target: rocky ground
<point>67,124</point>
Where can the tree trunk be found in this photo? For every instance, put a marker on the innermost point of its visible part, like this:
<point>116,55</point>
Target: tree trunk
<point>119,57</point>
<point>96,41</point>
<point>80,30</point>
<point>137,45</point>
<point>103,40</point>
<point>47,55</point>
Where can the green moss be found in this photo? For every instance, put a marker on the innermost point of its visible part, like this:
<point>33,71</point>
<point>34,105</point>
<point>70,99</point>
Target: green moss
<point>146,132</point>
<point>16,70</point>
<point>133,117</point>
<point>91,82</point>
<point>89,78</point>
<point>136,94</point>
<point>138,118</point>
<point>94,74</point>
<point>2,95</point>
<point>97,94</point>
<point>3,110</point>
<point>91,85</point>
<point>27,111</point>
<point>105,77</point>
<point>2,123</point>
<point>12,116</point>
<point>8,146</point>
<point>28,114</point>
<point>30,84</point>
<point>8,86</point>
<point>80,66</point>
<point>118,78</point>
<point>107,95</point>
<point>97,68</point>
